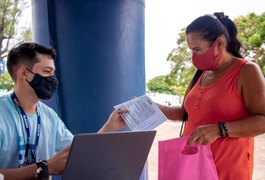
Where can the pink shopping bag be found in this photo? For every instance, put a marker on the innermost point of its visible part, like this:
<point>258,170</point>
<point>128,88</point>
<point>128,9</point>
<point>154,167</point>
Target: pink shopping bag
<point>178,161</point>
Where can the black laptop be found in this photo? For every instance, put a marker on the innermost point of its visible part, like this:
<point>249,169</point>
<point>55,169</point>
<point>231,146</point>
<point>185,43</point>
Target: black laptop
<point>108,156</point>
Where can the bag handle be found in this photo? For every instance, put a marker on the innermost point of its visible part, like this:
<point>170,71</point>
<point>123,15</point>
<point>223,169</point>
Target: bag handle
<point>195,78</point>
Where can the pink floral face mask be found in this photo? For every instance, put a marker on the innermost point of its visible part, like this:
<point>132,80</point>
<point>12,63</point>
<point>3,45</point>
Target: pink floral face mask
<point>207,60</point>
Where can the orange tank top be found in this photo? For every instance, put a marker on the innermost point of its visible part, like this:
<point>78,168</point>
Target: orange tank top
<point>222,101</point>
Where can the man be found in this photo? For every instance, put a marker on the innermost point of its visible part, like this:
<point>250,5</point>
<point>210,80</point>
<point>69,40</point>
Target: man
<point>30,131</point>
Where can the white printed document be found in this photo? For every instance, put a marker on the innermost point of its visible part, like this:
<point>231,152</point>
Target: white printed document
<point>143,113</point>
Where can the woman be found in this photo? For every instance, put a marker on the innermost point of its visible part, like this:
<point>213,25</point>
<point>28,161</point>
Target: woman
<point>226,107</point>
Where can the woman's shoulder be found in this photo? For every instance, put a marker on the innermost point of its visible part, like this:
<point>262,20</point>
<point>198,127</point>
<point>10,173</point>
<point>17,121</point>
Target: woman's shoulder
<point>251,72</point>
<point>251,68</point>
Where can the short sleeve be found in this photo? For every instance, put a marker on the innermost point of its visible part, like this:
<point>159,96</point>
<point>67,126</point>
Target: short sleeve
<point>63,136</point>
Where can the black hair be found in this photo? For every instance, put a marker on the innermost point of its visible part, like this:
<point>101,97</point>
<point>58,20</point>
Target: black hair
<point>26,54</point>
<point>211,27</point>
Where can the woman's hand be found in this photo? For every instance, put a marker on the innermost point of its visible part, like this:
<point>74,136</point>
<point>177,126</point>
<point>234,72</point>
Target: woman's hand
<point>205,134</point>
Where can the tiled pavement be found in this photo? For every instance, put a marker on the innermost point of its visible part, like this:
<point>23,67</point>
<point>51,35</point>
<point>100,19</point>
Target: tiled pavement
<point>171,130</point>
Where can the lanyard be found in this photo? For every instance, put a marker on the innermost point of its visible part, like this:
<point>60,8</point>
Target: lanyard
<point>26,125</point>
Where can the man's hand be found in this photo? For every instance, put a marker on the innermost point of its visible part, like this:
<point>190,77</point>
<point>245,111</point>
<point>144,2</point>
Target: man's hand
<point>57,163</point>
<point>115,121</point>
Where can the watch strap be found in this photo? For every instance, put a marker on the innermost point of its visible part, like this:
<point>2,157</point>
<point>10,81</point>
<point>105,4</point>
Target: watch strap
<point>42,170</point>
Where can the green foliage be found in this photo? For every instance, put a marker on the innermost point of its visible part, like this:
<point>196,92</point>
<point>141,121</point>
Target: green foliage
<point>161,84</point>
<point>10,12</point>
<point>251,32</point>
<point>27,35</point>
<point>182,69</point>
<point>6,82</point>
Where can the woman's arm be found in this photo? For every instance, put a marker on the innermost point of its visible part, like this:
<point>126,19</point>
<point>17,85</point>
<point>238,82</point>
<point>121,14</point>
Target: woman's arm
<point>173,113</point>
<point>252,87</point>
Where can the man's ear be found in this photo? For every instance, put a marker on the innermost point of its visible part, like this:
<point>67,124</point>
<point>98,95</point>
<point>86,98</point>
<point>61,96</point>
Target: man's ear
<point>21,73</point>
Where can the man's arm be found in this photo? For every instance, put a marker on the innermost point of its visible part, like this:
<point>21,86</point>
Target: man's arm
<point>57,163</point>
<point>56,166</point>
<point>27,172</point>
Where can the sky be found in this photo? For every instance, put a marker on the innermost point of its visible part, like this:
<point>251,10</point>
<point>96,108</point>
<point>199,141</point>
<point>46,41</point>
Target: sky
<point>165,18</point>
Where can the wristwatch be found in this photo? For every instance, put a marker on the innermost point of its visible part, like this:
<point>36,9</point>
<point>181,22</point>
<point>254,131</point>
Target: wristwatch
<point>42,170</point>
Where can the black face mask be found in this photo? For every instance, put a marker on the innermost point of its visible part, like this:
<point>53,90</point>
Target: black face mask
<point>44,87</point>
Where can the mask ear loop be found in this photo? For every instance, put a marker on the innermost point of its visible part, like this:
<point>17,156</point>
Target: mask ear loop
<point>30,71</point>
